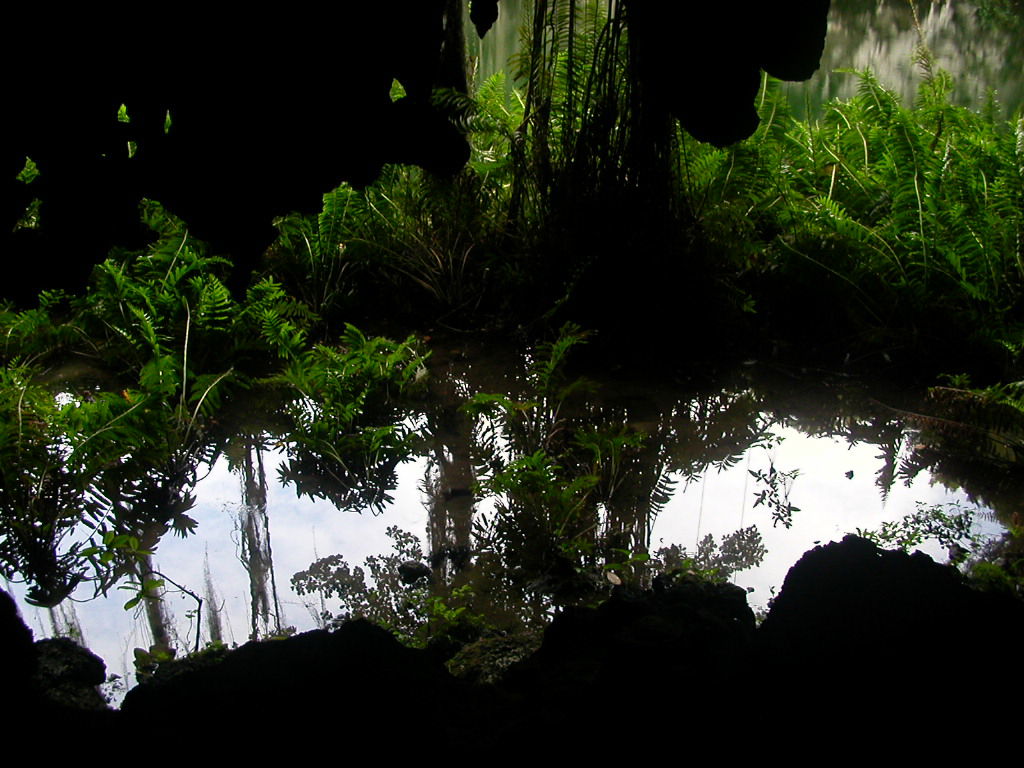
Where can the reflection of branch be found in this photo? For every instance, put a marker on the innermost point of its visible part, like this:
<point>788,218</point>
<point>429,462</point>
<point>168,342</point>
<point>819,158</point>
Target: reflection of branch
<point>190,593</point>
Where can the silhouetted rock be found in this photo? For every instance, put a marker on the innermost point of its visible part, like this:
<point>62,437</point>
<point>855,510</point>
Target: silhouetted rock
<point>48,682</point>
<point>17,655</point>
<point>851,602</point>
<point>483,14</point>
<point>262,123</point>
<point>689,647</point>
<point>859,643</point>
<point>355,685</point>
<point>69,675</point>
<point>860,635</point>
<point>702,62</point>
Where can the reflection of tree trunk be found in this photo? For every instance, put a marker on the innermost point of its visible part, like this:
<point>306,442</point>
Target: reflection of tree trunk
<point>64,621</point>
<point>213,625</point>
<point>256,555</point>
<point>156,614</point>
<point>627,528</point>
<point>450,480</point>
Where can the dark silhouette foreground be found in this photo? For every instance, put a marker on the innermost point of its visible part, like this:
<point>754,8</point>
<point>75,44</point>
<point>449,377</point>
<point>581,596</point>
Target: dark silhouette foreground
<point>858,638</point>
<point>234,120</point>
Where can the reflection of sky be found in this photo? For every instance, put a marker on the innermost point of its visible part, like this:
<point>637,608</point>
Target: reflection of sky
<point>831,505</point>
<point>300,531</point>
<point>720,503</point>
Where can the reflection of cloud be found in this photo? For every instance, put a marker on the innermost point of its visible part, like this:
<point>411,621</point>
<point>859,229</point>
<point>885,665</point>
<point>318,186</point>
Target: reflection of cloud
<point>831,504</point>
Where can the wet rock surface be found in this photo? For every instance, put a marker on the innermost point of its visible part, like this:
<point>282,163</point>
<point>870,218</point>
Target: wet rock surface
<point>856,634</point>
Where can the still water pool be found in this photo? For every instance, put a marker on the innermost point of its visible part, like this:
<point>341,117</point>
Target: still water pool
<point>791,465</point>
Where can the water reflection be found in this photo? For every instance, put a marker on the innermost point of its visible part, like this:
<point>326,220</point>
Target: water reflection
<point>975,42</point>
<point>978,42</point>
<point>545,492</point>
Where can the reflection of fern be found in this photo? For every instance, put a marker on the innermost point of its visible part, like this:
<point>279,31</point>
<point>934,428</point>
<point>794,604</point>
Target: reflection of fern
<point>969,421</point>
<point>663,492</point>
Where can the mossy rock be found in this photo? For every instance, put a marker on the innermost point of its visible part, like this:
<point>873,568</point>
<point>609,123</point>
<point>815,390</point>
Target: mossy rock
<point>486,661</point>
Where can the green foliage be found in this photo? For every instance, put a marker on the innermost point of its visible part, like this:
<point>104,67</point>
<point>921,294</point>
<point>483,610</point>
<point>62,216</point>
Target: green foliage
<point>713,561</point>
<point>159,663</point>
<point>948,524</point>
<point>572,488</point>
<point>978,433</point>
<point>384,599</point>
<point>536,422</point>
<point>775,493</point>
<point>29,173</point>
<point>893,215</point>
<point>110,402</point>
<point>451,619</point>
<point>899,217</point>
<point>347,433</point>
<point>990,577</point>
<point>312,254</point>
<point>554,479</point>
<point>999,11</point>
<point>142,363</point>
<point>992,564</point>
<point>903,209</point>
<point>431,240</point>
<point>148,661</point>
<point>418,614</point>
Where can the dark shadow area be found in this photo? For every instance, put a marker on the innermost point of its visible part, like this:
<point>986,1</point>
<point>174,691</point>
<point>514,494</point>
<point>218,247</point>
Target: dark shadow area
<point>702,63</point>
<point>229,130</point>
<point>851,622</point>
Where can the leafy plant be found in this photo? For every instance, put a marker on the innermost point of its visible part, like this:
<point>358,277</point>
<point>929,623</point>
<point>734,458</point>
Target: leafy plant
<point>347,435</point>
<point>384,599</point>
<point>894,206</point>
<point>713,561</point>
<point>775,494</point>
<point>562,487</point>
<point>110,402</point>
<point>429,239</point>
<point>948,524</point>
